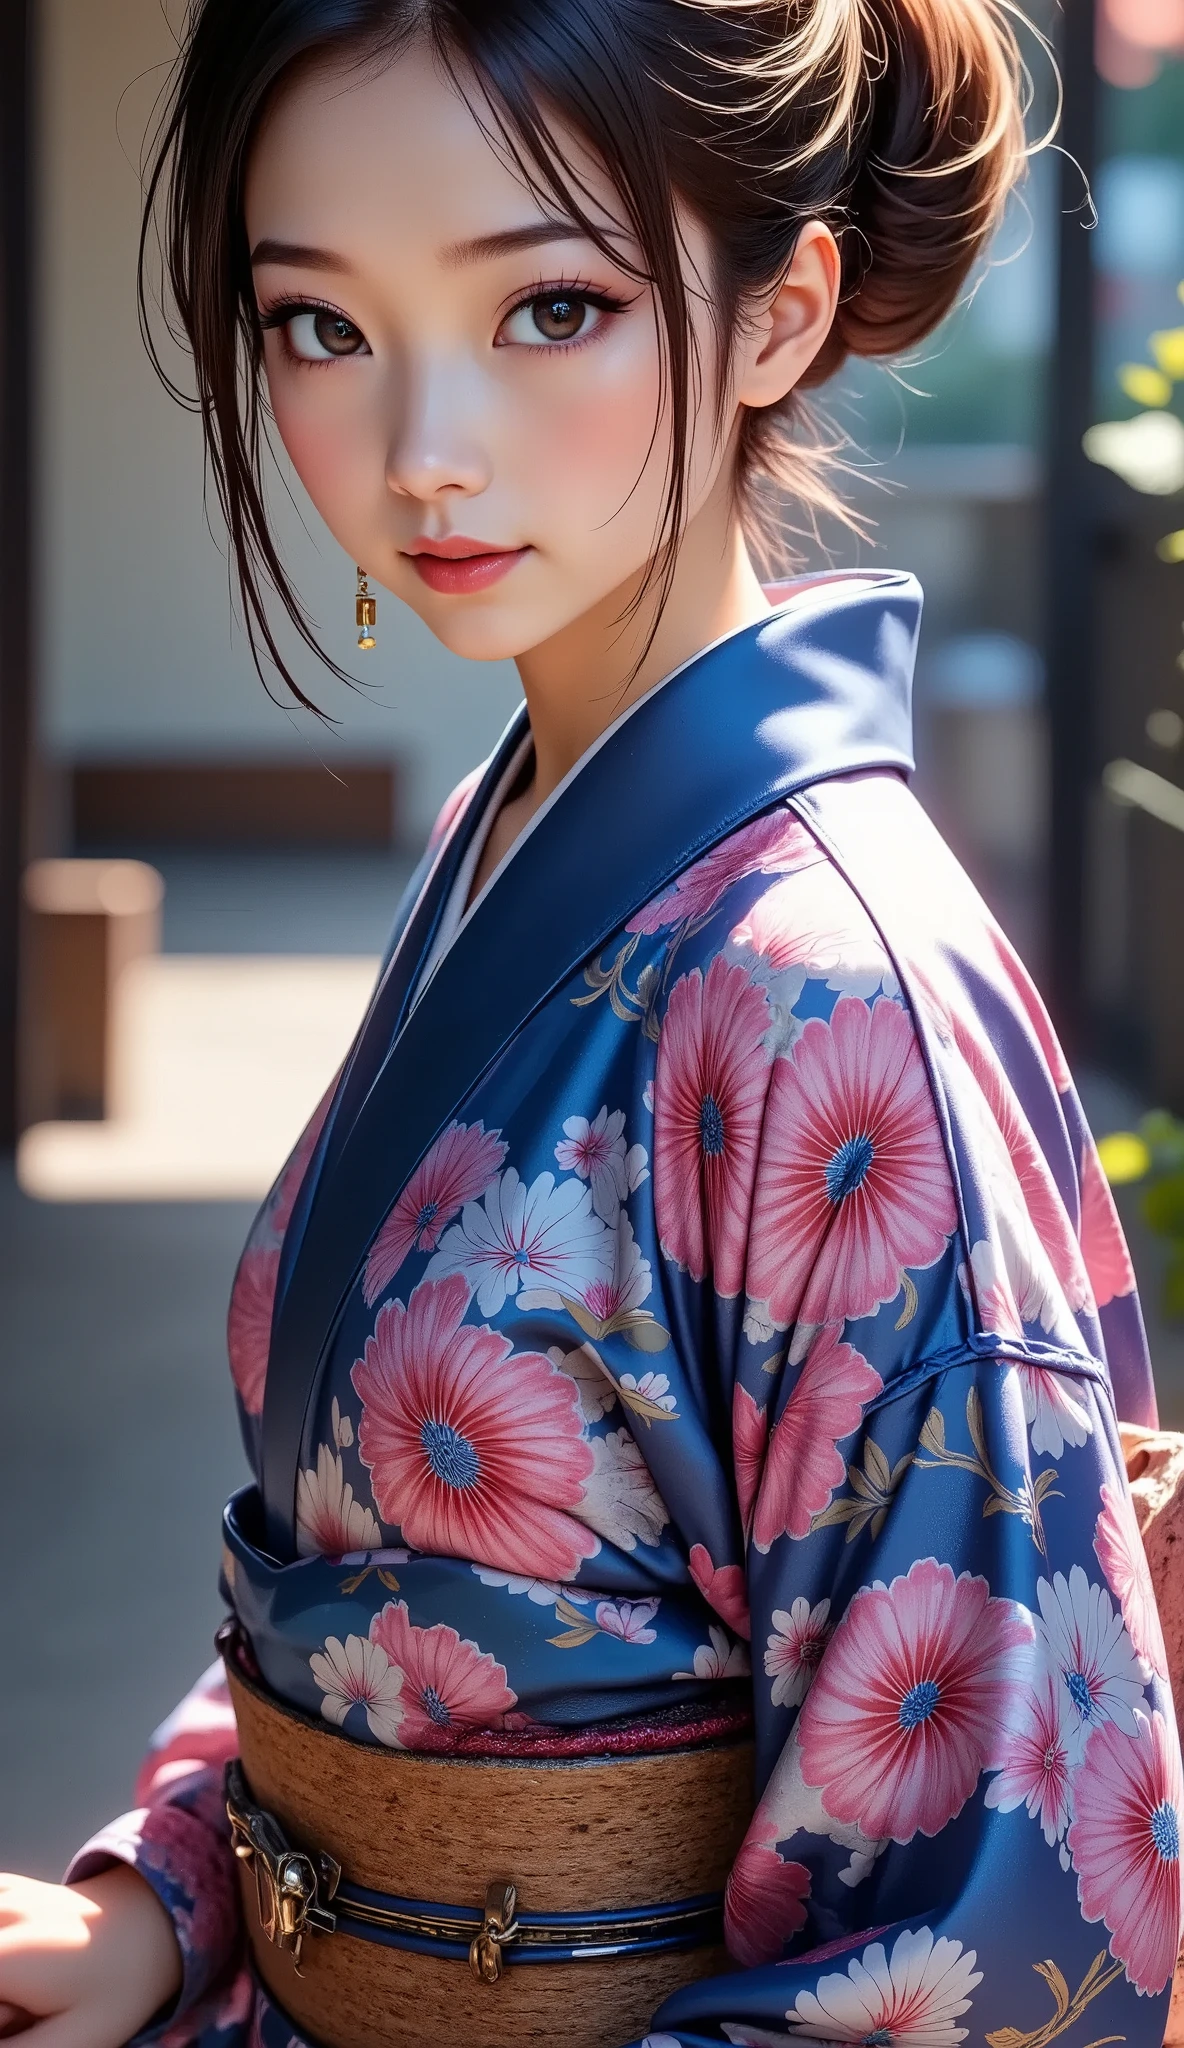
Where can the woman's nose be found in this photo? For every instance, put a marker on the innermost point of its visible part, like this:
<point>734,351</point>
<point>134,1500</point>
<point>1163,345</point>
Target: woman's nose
<point>434,449</point>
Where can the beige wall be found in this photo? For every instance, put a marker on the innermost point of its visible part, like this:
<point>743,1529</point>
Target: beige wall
<point>139,652</point>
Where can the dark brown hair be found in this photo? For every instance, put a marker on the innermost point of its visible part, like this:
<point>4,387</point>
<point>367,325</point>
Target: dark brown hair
<point>899,123</point>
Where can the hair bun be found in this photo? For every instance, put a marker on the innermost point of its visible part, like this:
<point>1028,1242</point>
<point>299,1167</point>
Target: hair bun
<point>940,147</point>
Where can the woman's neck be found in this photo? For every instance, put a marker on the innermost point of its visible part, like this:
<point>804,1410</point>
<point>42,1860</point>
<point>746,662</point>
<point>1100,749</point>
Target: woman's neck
<point>577,683</point>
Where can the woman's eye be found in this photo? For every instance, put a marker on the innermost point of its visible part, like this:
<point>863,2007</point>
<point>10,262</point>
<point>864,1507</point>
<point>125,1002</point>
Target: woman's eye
<point>551,317</point>
<point>317,334</point>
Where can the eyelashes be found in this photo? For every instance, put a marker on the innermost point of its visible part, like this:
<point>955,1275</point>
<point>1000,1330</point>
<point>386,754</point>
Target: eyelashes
<point>332,336</point>
<point>550,317</point>
<point>554,318</point>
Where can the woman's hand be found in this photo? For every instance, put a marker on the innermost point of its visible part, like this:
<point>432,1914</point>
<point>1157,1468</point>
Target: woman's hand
<point>84,1965</point>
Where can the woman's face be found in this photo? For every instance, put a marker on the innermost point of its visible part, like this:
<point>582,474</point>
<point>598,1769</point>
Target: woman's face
<point>467,387</point>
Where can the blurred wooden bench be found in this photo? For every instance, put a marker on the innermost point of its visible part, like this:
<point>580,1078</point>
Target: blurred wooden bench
<point>85,921</point>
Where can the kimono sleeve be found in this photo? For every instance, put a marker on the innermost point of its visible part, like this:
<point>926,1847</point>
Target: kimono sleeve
<point>973,1817</point>
<point>968,1771</point>
<point>177,1837</point>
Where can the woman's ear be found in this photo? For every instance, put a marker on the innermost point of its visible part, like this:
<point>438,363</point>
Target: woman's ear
<point>777,344</point>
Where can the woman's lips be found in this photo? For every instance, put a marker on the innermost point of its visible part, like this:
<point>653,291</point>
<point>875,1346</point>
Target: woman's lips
<point>444,567</point>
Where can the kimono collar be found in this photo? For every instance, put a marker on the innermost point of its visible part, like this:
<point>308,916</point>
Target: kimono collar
<point>820,688</point>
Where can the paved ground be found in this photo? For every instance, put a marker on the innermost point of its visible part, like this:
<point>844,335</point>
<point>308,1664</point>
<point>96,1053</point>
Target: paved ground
<point>117,1435</point>
<point>119,1445</point>
<point>118,1440</point>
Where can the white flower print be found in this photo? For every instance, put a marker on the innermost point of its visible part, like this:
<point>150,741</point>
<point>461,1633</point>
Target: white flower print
<point>752,2037</point>
<point>1091,1654</point>
<point>718,1659</point>
<point>1014,1283</point>
<point>628,1619</point>
<point>618,1292</point>
<point>595,1388</point>
<point>758,1328</point>
<point>597,1153</point>
<point>359,1673</point>
<point>660,2041</point>
<point>343,1429</point>
<point>545,1236</point>
<point>1052,1410</point>
<point>652,1386</point>
<point>793,1650</point>
<point>908,2000</point>
<point>647,1097</point>
<point>329,1521</point>
<point>1035,1769</point>
<point>792,1807</point>
<point>543,1592</point>
<point>620,1500</point>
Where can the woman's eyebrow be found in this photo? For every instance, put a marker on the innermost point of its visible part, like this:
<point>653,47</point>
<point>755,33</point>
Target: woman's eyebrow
<point>482,248</point>
<point>300,253</point>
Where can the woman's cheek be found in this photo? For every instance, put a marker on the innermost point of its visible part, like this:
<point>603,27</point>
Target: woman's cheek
<point>589,446</point>
<point>325,449</point>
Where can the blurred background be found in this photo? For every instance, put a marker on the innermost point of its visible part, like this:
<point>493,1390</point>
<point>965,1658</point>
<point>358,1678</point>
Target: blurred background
<point>196,882</point>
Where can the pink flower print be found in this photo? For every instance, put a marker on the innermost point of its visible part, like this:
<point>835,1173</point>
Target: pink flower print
<point>723,1587</point>
<point>472,1453</point>
<point>248,1325</point>
<point>1103,1246</point>
<point>1020,1155</point>
<point>542,1237</point>
<point>1120,1553</point>
<point>597,1153</point>
<point>915,1697</point>
<point>774,844</point>
<point>448,1684</point>
<point>288,1186</point>
<point>1036,1761</point>
<point>794,1650</point>
<point>358,1673</point>
<point>329,1521</point>
<point>853,1185</point>
<point>458,1169</point>
<point>709,1095</point>
<point>817,923</point>
<point>1125,1843</point>
<point>764,1901</point>
<point>909,1999</point>
<point>718,1658</point>
<point>803,1464</point>
<point>628,1620</point>
<point>1090,1652</point>
<point>750,1429</point>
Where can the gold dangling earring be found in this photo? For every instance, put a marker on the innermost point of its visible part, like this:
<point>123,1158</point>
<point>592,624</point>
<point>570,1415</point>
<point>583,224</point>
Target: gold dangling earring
<point>366,613</point>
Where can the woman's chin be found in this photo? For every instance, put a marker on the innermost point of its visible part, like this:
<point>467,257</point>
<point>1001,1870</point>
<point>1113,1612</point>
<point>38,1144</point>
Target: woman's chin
<point>480,628</point>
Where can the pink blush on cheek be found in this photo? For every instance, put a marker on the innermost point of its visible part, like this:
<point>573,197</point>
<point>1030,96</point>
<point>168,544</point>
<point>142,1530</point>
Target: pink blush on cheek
<point>329,456</point>
<point>587,459</point>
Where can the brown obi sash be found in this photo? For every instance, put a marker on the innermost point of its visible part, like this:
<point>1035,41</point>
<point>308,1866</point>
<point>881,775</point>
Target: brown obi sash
<point>616,1863</point>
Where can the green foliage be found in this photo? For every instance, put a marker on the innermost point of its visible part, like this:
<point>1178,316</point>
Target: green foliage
<point>1153,1157</point>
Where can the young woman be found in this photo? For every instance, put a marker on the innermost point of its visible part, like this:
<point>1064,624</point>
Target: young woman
<point>682,1361</point>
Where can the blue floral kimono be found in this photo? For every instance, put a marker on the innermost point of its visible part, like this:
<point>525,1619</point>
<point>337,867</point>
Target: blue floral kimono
<point>705,1279</point>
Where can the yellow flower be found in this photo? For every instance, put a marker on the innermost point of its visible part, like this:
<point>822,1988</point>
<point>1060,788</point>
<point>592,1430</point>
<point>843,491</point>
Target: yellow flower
<point>1145,385</point>
<point>1124,1157</point>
